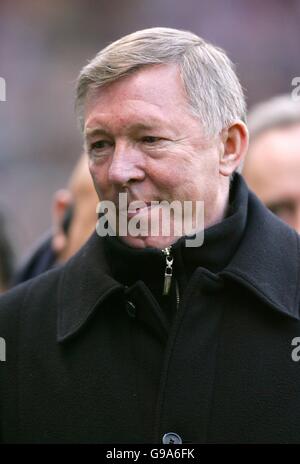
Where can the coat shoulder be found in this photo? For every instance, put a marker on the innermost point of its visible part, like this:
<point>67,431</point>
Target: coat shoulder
<point>30,294</point>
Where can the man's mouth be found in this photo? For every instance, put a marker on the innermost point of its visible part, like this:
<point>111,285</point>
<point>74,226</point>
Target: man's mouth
<point>140,208</point>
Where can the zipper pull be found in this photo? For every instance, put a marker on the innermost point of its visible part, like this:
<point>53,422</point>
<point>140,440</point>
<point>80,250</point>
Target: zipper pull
<point>168,270</point>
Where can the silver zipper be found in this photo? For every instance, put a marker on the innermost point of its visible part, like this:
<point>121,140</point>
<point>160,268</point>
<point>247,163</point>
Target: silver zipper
<point>169,274</point>
<point>177,295</point>
<point>168,270</point>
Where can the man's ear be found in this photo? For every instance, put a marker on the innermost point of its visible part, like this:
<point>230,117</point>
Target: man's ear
<point>235,141</point>
<point>62,200</point>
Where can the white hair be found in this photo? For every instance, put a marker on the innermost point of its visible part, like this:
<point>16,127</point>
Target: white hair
<point>279,111</point>
<point>214,93</point>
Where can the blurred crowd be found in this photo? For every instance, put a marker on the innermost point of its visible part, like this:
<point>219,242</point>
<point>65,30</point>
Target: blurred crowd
<point>73,221</point>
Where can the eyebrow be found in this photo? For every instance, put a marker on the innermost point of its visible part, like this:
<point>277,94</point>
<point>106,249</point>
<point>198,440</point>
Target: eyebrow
<point>285,202</point>
<point>139,126</point>
<point>95,131</point>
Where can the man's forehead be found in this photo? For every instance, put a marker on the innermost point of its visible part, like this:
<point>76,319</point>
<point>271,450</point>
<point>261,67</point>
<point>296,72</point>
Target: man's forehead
<point>157,86</point>
<point>102,123</point>
<point>132,114</point>
<point>276,146</point>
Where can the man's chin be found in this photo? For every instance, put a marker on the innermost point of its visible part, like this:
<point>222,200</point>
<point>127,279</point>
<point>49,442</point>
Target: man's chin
<point>148,241</point>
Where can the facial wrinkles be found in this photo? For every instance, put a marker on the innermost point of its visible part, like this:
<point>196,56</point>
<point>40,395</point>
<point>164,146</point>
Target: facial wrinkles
<point>158,174</point>
<point>116,95</point>
<point>118,122</point>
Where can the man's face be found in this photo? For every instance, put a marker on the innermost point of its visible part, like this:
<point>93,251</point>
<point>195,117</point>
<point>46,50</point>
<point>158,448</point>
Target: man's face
<point>142,140</point>
<point>272,171</point>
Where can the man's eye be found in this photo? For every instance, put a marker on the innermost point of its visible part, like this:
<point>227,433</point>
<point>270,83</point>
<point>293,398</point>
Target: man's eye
<point>100,144</point>
<point>283,209</point>
<point>150,139</point>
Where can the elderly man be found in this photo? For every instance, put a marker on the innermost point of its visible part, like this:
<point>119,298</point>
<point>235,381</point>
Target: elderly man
<point>140,338</point>
<point>272,165</point>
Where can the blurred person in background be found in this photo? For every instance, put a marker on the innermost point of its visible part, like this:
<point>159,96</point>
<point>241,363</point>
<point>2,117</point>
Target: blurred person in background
<point>74,219</point>
<point>6,257</point>
<point>272,164</point>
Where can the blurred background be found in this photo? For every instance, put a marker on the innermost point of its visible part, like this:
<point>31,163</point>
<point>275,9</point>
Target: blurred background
<point>43,46</point>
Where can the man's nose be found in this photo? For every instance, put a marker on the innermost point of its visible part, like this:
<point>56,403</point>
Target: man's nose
<point>127,165</point>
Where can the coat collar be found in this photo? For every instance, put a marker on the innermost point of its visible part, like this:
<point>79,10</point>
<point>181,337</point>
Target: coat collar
<point>85,284</point>
<point>266,262</point>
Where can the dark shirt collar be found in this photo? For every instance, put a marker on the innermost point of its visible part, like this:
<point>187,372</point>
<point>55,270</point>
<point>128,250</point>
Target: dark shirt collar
<point>129,265</point>
<point>222,239</point>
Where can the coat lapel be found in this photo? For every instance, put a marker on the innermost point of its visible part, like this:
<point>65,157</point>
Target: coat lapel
<point>85,284</point>
<point>267,260</point>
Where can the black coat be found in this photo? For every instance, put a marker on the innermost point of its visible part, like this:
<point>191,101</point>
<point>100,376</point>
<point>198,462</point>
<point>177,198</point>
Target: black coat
<point>85,364</point>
